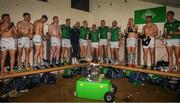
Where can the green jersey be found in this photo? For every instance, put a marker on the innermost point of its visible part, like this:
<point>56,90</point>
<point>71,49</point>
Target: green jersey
<point>115,33</point>
<point>84,32</point>
<point>65,31</point>
<point>103,32</point>
<point>94,34</point>
<point>172,27</point>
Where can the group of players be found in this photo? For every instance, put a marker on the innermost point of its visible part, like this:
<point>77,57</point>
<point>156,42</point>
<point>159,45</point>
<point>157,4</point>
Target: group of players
<point>74,41</point>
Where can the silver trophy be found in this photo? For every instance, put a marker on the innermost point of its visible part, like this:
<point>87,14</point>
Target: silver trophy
<point>94,73</point>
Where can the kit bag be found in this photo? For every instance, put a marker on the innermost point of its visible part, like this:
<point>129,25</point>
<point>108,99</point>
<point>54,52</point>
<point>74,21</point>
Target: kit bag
<point>48,78</point>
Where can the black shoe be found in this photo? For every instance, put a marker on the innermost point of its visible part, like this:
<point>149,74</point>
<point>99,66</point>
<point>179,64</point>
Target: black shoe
<point>61,64</point>
<point>152,67</point>
<point>82,61</point>
<point>45,60</point>
<point>51,66</point>
<point>44,66</point>
<point>58,65</point>
<point>95,60</point>
<point>36,67</point>
<point>145,67</point>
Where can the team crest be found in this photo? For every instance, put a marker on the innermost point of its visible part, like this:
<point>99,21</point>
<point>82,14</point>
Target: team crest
<point>148,13</point>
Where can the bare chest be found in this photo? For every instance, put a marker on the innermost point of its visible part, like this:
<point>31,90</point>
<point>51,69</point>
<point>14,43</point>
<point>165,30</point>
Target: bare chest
<point>4,27</point>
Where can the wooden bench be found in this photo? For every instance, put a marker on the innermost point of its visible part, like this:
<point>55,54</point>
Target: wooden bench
<point>139,69</point>
<point>30,72</point>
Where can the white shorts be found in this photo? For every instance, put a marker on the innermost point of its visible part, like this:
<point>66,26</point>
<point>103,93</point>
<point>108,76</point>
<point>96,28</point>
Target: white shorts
<point>37,40</point>
<point>8,44</point>
<point>173,42</point>
<point>66,43</point>
<point>16,42</point>
<point>131,42</point>
<point>55,41</point>
<point>114,44</point>
<point>94,44</point>
<point>24,42</point>
<point>31,43</point>
<point>151,44</point>
<point>83,42</point>
<point>103,42</point>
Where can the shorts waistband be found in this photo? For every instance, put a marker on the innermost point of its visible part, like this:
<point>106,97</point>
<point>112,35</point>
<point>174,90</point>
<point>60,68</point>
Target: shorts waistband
<point>37,35</point>
<point>131,38</point>
<point>7,38</point>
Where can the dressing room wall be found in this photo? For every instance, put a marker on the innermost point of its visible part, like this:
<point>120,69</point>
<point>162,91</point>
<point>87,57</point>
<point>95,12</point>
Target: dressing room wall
<point>120,10</point>
<point>61,8</point>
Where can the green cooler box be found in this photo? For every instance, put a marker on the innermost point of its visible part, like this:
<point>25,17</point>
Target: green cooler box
<point>95,90</point>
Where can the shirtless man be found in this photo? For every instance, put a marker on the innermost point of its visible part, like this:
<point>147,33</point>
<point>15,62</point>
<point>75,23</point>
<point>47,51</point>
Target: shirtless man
<point>54,32</point>
<point>150,30</point>
<point>37,39</point>
<point>25,31</point>
<point>131,32</point>
<point>172,34</point>
<point>7,32</point>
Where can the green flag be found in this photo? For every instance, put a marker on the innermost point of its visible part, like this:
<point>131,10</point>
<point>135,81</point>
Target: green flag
<point>158,15</point>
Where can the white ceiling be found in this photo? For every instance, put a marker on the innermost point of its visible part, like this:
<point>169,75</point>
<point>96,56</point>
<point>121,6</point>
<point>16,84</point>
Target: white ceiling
<point>173,3</point>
